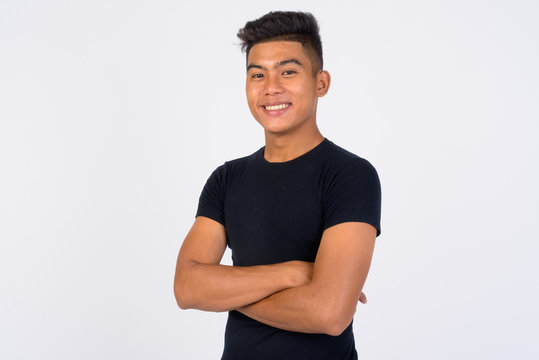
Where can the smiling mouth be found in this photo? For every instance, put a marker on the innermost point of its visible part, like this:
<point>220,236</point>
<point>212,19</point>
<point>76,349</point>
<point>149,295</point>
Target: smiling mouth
<point>276,107</point>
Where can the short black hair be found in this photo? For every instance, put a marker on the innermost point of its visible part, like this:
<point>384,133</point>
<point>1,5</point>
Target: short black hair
<point>296,26</point>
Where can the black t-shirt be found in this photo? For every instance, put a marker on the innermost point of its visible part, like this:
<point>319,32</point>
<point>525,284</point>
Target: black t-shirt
<point>276,212</point>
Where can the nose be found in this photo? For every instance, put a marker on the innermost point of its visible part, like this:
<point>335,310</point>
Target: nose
<point>273,85</point>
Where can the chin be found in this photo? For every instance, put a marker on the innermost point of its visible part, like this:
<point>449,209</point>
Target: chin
<point>278,130</point>
<point>273,127</point>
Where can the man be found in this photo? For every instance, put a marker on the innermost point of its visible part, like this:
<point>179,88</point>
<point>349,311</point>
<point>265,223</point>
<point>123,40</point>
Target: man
<point>300,215</point>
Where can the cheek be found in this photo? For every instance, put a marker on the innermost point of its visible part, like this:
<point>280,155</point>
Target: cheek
<point>306,95</point>
<point>305,88</point>
<point>252,100</point>
<point>250,92</point>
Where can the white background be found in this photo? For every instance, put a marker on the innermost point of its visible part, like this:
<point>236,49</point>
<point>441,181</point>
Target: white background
<point>114,113</point>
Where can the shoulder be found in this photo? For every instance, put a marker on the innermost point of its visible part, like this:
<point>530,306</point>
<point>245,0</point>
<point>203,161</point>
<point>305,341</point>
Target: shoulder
<point>242,162</point>
<point>338,160</point>
<point>351,189</point>
<point>233,168</point>
<point>215,190</point>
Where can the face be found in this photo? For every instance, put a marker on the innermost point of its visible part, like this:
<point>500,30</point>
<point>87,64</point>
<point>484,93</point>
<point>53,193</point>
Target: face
<point>282,91</point>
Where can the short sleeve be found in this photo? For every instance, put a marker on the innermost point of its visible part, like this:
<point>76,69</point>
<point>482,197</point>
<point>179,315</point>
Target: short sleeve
<point>353,194</point>
<point>211,202</point>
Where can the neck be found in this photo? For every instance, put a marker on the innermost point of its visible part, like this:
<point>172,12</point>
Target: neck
<point>285,147</point>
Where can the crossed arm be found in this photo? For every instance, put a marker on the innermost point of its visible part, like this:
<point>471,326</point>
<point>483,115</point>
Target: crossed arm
<point>295,295</point>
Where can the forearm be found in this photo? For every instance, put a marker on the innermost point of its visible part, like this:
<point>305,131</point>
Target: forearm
<point>213,287</point>
<point>327,304</point>
<point>306,309</point>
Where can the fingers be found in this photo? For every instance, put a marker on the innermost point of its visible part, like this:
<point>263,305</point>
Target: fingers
<point>362,298</point>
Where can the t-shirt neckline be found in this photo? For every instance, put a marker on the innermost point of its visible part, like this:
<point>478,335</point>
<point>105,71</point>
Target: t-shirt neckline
<point>277,165</point>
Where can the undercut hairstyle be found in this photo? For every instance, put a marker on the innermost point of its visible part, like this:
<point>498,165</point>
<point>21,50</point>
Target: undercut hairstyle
<point>300,27</point>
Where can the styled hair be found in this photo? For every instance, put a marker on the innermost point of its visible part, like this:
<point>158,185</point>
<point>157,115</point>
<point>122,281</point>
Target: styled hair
<point>295,26</point>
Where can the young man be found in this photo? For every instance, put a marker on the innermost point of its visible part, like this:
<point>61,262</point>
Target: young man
<point>300,214</point>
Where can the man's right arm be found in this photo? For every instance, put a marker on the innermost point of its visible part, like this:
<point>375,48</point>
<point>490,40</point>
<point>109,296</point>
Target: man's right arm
<point>202,283</point>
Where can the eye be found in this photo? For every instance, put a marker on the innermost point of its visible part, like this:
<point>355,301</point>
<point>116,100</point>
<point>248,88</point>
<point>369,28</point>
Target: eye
<point>289,72</point>
<point>257,75</point>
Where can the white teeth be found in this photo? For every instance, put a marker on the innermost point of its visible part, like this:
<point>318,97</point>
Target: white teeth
<point>276,107</point>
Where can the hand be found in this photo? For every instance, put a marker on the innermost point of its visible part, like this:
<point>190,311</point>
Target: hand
<point>362,298</point>
<point>301,272</point>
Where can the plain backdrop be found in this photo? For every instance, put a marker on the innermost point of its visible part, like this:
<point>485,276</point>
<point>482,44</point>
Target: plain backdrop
<point>114,113</point>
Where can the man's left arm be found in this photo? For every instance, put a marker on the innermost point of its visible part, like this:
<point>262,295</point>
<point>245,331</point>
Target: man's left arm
<point>327,304</point>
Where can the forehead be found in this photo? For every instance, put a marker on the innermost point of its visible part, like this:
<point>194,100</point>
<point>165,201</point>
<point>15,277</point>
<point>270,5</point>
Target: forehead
<point>275,51</point>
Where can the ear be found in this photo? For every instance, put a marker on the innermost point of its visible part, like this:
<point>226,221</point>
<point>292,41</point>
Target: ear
<point>323,80</point>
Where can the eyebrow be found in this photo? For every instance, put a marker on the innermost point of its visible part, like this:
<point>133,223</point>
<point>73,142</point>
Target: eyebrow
<point>280,63</point>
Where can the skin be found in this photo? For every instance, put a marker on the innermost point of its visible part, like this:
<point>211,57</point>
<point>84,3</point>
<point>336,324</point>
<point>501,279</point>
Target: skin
<point>202,283</point>
<point>319,297</point>
<point>328,303</point>
<point>280,72</point>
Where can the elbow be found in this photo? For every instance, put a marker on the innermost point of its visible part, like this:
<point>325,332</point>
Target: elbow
<point>181,303</point>
<point>180,298</point>
<point>335,322</point>
<point>336,328</point>
<point>332,312</point>
<point>181,293</point>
